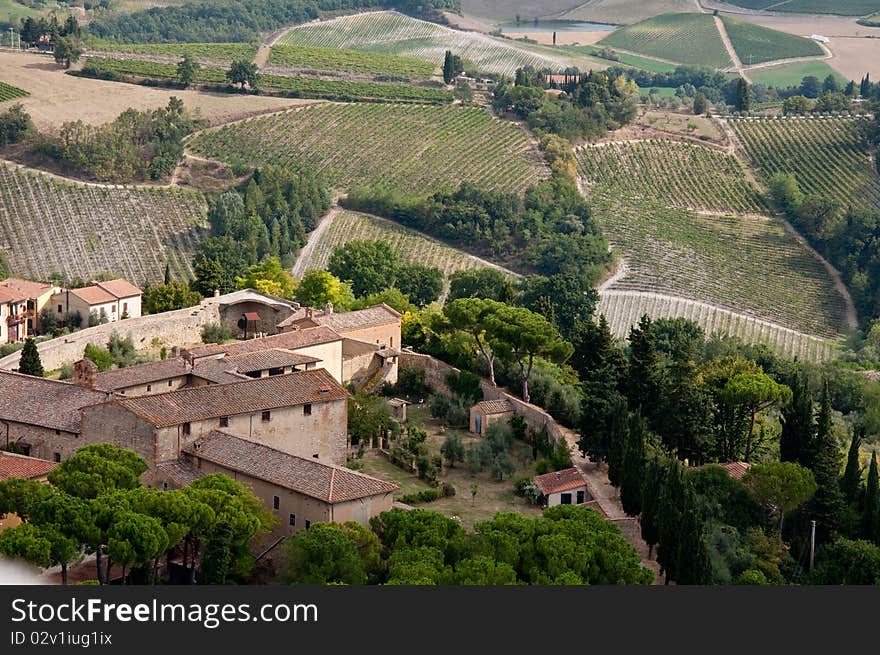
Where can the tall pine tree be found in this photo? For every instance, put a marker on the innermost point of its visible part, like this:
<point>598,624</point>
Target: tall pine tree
<point>30,363</point>
<point>618,427</point>
<point>871,514</point>
<point>448,68</point>
<point>652,485</point>
<point>670,518</point>
<point>796,439</point>
<point>644,376</point>
<point>633,466</point>
<point>827,504</point>
<point>693,565</point>
<point>851,482</point>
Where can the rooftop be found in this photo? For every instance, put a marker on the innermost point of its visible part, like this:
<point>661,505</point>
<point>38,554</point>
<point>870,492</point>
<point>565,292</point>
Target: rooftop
<point>27,287</point>
<point>44,403</point>
<point>345,321</point>
<point>120,288</point>
<point>245,397</point>
<point>266,359</point>
<point>286,340</point>
<point>93,295</point>
<point>122,378</point>
<point>326,482</point>
<point>8,294</point>
<point>178,473</point>
<point>19,466</point>
<point>564,480</point>
<point>495,406</point>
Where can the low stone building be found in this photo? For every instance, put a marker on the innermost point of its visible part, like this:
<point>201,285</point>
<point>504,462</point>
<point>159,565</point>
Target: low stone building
<point>565,487</point>
<point>486,412</point>
<point>303,414</point>
<point>19,466</point>
<point>41,416</point>
<point>108,301</point>
<point>298,490</point>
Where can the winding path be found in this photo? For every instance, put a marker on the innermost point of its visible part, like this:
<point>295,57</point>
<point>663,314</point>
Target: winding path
<point>725,39</point>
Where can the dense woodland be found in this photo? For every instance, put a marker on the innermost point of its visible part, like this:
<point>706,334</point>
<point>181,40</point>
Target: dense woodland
<point>226,21</point>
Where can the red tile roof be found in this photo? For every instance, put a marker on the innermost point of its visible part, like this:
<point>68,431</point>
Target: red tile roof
<point>494,406</point>
<point>245,397</point>
<point>266,359</point>
<point>93,295</point>
<point>31,289</point>
<point>120,288</point>
<point>287,340</point>
<point>45,403</point>
<point>326,482</point>
<point>346,321</point>
<point>122,378</point>
<point>8,294</point>
<point>19,466</point>
<point>551,483</point>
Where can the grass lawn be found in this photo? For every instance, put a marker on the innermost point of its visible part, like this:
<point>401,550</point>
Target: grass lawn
<point>492,496</point>
<point>792,74</point>
<point>625,59</point>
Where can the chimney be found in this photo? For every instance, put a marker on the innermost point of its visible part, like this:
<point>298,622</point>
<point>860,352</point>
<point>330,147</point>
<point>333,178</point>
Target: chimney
<point>328,309</point>
<point>175,352</point>
<point>216,293</point>
<point>309,312</point>
<point>85,374</point>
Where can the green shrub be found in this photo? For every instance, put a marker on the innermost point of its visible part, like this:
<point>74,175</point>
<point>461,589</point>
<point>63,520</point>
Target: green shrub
<point>99,356</point>
<point>9,348</point>
<point>216,333</point>
<point>411,384</point>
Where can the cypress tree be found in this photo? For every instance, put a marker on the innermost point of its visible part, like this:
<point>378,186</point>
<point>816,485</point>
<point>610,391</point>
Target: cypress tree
<point>167,273</point>
<point>851,482</point>
<point>693,564</point>
<point>669,518</point>
<point>652,485</point>
<point>617,431</point>
<point>643,381</point>
<point>827,504</point>
<point>865,86</point>
<point>871,515</point>
<point>796,439</point>
<point>30,363</point>
<point>448,68</point>
<point>633,466</point>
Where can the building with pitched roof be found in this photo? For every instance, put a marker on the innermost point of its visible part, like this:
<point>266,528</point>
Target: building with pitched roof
<point>107,301</point>
<point>13,315</point>
<point>36,296</point>
<point>303,413</point>
<point>486,412</point>
<point>565,487</point>
<point>13,465</point>
<point>299,490</point>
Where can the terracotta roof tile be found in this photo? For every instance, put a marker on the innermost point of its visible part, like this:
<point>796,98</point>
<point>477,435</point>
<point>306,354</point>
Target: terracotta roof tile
<point>213,401</point>
<point>122,378</point>
<point>93,295</point>
<point>287,340</point>
<point>266,359</point>
<point>8,294</point>
<point>120,288</point>
<point>551,483</point>
<point>31,289</point>
<point>44,403</point>
<point>178,473</point>
<point>345,321</point>
<point>216,370</point>
<point>19,466</point>
<point>326,482</point>
<point>495,406</point>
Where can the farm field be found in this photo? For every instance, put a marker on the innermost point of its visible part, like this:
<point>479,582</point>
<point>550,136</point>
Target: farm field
<point>625,59</point>
<point>393,33</point>
<point>624,12</point>
<point>836,7</point>
<point>755,44</point>
<point>745,264</point>
<point>792,74</point>
<point>687,38</point>
<point>199,51</point>
<point>414,148</point>
<point>56,97</point>
<point>623,309</point>
<point>308,86</point>
<point>676,173</point>
<point>9,92</point>
<point>411,246</point>
<point>334,59</point>
<point>48,224</point>
<point>826,156</point>
<point>700,127</point>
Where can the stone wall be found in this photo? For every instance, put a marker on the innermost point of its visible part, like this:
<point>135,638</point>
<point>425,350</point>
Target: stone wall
<point>437,371</point>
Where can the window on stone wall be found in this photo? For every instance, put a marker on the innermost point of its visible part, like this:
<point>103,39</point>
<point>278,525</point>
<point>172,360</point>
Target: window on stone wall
<point>57,457</point>
<point>267,415</point>
<point>292,520</point>
<point>276,502</point>
<point>187,428</point>
<point>307,409</point>
<point>224,421</point>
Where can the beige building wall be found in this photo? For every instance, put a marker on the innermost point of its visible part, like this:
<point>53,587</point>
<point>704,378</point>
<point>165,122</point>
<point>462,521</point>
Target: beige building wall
<point>387,336</point>
<point>152,388</point>
<point>330,355</point>
<point>130,306</point>
<point>110,423</point>
<point>556,499</point>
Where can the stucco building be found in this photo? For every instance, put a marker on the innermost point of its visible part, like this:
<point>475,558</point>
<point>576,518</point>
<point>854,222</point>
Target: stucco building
<point>37,296</point>
<point>298,490</point>
<point>109,301</point>
<point>565,487</point>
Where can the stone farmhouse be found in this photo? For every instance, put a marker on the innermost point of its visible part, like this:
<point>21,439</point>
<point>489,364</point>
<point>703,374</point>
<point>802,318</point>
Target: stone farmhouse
<point>299,490</point>
<point>109,301</point>
<point>21,302</point>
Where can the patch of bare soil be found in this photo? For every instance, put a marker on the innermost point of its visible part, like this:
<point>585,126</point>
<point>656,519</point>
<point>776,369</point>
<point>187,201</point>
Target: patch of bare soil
<point>57,97</point>
<point>565,38</point>
<point>205,175</point>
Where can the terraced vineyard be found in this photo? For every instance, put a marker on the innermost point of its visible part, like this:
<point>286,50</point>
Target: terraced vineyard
<point>410,246</point>
<point>393,33</point>
<point>685,38</point>
<point>335,59</point>
<point>152,69</point>
<point>48,225</point>
<point>9,92</point>
<point>676,173</point>
<point>313,87</point>
<point>827,156</point>
<point>755,44</point>
<point>745,264</point>
<point>624,309</point>
<point>200,51</point>
<point>413,148</point>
